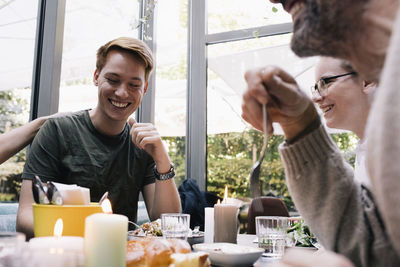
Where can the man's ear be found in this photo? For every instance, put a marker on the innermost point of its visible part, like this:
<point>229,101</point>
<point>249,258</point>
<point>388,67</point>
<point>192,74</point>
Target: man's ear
<point>369,87</point>
<point>145,87</point>
<point>96,77</point>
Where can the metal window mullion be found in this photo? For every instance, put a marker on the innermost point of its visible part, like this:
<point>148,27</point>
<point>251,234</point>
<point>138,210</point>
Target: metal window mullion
<point>47,58</point>
<point>196,117</point>
<point>250,33</point>
<point>145,112</point>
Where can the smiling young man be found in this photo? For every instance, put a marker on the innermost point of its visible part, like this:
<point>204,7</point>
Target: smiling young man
<point>345,217</point>
<point>100,149</point>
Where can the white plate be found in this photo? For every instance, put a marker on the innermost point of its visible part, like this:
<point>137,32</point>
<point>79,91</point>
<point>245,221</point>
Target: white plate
<point>227,254</point>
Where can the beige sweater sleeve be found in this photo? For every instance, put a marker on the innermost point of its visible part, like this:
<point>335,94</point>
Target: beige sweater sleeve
<point>383,131</point>
<point>339,211</point>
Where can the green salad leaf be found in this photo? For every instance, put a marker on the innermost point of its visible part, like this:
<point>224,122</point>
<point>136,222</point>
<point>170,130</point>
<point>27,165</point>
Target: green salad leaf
<point>301,235</point>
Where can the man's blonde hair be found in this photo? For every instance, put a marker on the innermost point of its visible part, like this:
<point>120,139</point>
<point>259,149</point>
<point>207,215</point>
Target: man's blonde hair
<point>130,45</point>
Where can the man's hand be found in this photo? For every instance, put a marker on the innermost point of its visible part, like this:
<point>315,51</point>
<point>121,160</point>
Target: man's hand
<point>303,258</point>
<point>286,103</point>
<point>146,136</point>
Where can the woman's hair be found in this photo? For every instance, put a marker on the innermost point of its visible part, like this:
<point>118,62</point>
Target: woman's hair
<point>344,64</point>
<point>130,45</point>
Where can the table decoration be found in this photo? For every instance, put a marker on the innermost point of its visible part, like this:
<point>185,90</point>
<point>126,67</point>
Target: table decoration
<point>57,242</point>
<point>105,238</point>
<point>56,250</point>
<point>225,221</point>
<point>73,216</point>
<point>209,225</point>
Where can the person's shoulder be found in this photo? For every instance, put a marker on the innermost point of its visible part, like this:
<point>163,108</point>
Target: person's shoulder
<point>68,118</point>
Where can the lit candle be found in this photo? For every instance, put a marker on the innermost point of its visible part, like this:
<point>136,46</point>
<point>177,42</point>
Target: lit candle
<point>225,221</point>
<point>58,243</point>
<point>105,238</point>
<point>56,250</point>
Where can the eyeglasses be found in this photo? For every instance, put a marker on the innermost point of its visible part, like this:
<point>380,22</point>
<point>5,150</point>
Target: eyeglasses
<point>320,88</point>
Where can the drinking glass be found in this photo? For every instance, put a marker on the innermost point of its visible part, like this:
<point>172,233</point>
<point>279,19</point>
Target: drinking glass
<point>11,246</point>
<point>271,233</point>
<point>175,225</point>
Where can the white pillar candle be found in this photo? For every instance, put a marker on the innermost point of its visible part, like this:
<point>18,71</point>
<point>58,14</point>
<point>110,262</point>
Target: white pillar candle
<point>66,243</point>
<point>225,223</point>
<point>105,240</point>
<point>53,251</point>
<point>209,225</point>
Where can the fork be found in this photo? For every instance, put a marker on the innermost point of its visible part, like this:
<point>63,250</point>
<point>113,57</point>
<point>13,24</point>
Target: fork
<point>255,170</point>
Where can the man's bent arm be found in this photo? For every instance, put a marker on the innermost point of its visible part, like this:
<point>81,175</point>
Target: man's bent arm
<point>161,197</point>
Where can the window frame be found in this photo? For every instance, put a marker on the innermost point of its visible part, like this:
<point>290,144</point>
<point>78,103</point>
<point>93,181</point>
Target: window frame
<point>47,71</point>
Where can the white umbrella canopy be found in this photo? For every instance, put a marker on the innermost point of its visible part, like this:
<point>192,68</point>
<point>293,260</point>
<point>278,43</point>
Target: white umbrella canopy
<point>224,93</point>
<point>231,69</point>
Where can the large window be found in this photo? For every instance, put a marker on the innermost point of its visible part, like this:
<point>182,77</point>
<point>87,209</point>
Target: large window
<point>232,145</point>
<point>195,99</point>
<point>17,37</point>
<point>240,37</point>
<point>103,21</point>
<point>171,85</point>
<point>230,15</point>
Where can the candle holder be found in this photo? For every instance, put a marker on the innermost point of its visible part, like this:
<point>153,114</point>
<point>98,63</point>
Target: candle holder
<point>73,216</point>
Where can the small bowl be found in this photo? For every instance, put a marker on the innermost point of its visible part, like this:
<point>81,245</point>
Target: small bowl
<point>73,216</point>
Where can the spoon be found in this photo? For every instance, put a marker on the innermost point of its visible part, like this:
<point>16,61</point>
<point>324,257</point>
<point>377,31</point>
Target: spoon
<point>53,194</point>
<point>39,194</point>
<point>103,197</point>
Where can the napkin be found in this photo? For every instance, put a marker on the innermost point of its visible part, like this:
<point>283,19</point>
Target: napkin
<point>74,194</point>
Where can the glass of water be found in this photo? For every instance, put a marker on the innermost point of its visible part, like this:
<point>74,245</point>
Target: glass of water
<point>271,234</point>
<point>175,225</point>
<point>11,247</point>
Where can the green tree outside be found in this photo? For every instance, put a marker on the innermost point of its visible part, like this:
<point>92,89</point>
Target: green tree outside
<point>13,113</point>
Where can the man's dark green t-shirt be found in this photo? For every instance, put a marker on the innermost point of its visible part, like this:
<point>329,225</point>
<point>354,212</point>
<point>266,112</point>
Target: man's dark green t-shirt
<point>69,150</point>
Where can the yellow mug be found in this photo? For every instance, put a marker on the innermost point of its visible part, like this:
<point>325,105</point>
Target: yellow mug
<point>73,216</point>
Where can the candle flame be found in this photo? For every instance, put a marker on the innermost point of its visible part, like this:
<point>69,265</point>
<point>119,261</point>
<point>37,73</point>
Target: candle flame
<point>219,202</point>
<point>225,194</point>
<point>106,206</point>
<point>58,228</point>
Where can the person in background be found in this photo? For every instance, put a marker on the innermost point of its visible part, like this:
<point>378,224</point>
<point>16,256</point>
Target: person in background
<point>100,149</point>
<point>345,100</point>
<point>13,141</point>
<point>345,217</point>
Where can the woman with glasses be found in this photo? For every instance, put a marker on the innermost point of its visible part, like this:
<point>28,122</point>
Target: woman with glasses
<point>344,100</point>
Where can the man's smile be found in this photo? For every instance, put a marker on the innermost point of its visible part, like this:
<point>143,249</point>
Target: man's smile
<point>119,104</point>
